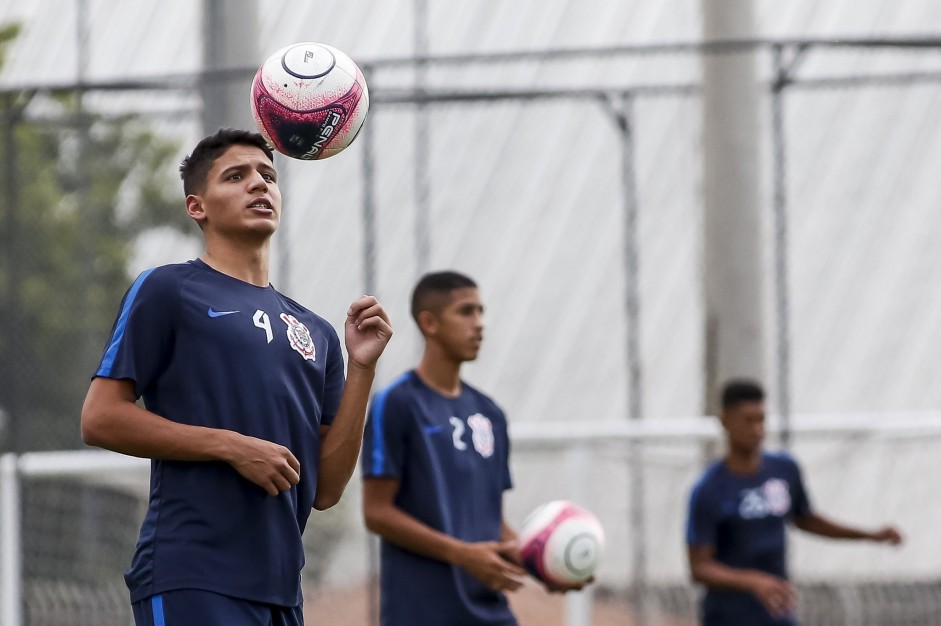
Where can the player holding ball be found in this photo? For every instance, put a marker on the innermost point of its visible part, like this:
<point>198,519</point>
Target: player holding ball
<point>435,466</point>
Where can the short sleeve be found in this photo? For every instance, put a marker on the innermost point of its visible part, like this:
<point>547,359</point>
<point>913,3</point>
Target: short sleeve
<point>141,338</point>
<point>507,475</point>
<point>384,440</point>
<point>800,500</point>
<point>334,379</point>
<point>701,519</point>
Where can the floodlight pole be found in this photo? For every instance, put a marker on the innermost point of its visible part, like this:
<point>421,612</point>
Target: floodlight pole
<point>230,41</point>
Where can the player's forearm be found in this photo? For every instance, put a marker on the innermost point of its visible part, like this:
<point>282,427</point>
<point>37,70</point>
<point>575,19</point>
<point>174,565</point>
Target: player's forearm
<point>403,530</point>
<point>340,448</point>
<point>818,525</point>
<point>717,575</point>
<point>130,429</point>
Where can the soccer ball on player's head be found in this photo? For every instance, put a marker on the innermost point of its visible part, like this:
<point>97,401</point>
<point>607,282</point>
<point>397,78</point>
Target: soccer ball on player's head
<point>561,543</point>
<point>309,100</point>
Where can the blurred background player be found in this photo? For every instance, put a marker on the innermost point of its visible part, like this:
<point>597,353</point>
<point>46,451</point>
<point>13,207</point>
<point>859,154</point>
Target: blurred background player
<point>435,465</point>
<point>737,515</point>
<point>246,412</point>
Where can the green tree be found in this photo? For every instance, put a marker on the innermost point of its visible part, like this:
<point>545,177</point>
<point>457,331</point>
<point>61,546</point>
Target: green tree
<point>80,187</point>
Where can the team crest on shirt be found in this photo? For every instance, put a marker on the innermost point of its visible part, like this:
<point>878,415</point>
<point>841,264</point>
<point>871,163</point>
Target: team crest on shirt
<point>778,496</point>
<point>771,498</point>
<point>299,337</point>
<point>482,434</point>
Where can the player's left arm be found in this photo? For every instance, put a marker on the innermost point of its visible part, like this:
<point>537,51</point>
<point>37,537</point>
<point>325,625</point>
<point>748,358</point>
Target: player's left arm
<point>808,520</point>
<point>819,525</point>
<point>367,333</point>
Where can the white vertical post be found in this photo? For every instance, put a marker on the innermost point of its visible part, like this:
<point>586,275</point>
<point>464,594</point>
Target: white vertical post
<point>578,604</point>
<point>230,44</point>
<point>11,592</point>
<point>733,247</point>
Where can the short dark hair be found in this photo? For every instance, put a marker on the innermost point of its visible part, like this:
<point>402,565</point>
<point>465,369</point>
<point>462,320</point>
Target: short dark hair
<point>196,166</point>
<point>741,390</point>
<point>428,291</point>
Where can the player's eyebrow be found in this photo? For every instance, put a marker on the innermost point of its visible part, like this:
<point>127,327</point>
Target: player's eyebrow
<point>242,167</point>
<point>233,169</point>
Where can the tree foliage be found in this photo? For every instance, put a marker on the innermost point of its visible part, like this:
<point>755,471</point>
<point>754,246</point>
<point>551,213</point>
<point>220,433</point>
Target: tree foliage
<point>80,187</point>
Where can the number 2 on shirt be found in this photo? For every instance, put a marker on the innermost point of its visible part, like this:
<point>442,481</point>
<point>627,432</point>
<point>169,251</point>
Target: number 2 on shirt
<point>457,435</point>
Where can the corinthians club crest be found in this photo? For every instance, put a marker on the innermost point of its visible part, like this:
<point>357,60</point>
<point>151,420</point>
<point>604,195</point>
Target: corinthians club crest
<point>299,337</point>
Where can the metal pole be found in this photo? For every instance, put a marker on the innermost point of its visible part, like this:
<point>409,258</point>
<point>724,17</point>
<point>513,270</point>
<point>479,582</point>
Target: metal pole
<point>230,41</point>
<point>631,262</point>
<point>733,289</point>
<point>370,285</point>
<point>89,346</point>
<point>621,110</point>
<point>422,142</point>
<point>11,570</point>
<point>782,303</point>
<point>369,208</point>
<point>283,249</point>
<point>13,324</point>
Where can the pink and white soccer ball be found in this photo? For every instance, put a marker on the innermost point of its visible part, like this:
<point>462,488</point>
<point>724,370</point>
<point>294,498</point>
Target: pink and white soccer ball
<point>561,542</point>
<point>309,100</point>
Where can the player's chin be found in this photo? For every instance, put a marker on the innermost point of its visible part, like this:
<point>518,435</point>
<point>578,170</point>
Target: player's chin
<point>471,354</point>
<point>263,226</point>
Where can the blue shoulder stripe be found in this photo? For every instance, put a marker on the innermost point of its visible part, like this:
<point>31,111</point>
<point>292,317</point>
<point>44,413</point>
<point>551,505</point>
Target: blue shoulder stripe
<point>107,361</point>
<point>378,417</point>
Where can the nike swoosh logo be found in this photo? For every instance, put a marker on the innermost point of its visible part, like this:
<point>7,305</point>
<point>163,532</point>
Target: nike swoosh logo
<point>213,313</point>
<point>430,430</point>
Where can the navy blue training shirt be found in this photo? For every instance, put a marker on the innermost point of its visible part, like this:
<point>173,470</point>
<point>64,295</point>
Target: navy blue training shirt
<point>206,349</point>
<point>744,517</point>
<point>450,457</point>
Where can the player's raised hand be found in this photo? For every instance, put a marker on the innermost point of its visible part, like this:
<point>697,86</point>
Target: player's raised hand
<point>271,466</point>
<point>776,594</point>
<point>485,561</point>
<point>367,331</point>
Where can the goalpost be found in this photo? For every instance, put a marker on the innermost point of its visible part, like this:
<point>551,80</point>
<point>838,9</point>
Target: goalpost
<point>106,468</point>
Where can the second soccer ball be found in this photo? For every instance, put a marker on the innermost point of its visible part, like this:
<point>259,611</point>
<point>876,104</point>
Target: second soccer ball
<point>561,543</point>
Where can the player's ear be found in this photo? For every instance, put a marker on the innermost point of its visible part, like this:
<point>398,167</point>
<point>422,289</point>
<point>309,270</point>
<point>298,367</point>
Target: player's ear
<point>427,322</point>
<point>194,208</point>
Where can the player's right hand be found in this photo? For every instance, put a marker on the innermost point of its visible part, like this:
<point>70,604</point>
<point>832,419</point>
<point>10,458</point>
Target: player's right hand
<point>889,535</point>
<point>776,594</point>
<point>485,561</point>
<point>271,466</point>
